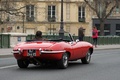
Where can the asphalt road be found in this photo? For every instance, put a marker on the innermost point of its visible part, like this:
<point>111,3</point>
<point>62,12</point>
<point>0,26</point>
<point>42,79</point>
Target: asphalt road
<point>105,65</point>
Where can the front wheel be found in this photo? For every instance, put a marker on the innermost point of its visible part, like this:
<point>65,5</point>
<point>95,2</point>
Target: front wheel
<point>87,58</point>
<point>63,63</point>
<point>22,63</point>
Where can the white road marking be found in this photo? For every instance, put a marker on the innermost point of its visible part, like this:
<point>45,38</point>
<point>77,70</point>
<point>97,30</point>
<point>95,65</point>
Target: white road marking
<point>4,67</point>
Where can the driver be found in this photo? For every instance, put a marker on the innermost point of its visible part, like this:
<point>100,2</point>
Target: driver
<point>38,36</point>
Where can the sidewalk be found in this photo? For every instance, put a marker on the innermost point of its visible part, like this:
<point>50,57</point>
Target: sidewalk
<point>106,47</point>
<point>7,51</point>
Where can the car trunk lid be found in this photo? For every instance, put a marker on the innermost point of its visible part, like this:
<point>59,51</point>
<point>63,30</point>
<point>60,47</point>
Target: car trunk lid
<point>36,45</point>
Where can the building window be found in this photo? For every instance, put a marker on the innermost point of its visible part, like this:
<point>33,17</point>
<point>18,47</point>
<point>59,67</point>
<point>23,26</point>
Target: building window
<point>81,14</point>
<point>106,29</point>
<point>51,13</point>
<point>117,9</point>
<point>68,11</point>
<point>118,29</point>
<point>30,12</point>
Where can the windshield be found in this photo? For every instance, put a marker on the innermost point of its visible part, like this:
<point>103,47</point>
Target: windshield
<point>53,37</point>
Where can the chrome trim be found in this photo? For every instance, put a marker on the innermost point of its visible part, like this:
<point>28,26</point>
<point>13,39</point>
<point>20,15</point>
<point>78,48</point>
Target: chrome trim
<point>19,49</point>
<point>40,49</point>
<point>16,52</point>
<point>52,51</point>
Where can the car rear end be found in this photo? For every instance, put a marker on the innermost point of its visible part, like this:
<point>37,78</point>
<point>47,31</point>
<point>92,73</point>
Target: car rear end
<point>36,53</point>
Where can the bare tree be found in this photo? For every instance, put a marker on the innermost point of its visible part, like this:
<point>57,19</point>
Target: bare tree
<point>9,6</point>
<point>9,13</point>
<point>103,9</point>
<point>15,8</point>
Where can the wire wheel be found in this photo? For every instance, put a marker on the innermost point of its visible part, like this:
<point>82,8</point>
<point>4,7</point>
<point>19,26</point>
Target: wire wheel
<point>87,58</point>
<point>63,63</point>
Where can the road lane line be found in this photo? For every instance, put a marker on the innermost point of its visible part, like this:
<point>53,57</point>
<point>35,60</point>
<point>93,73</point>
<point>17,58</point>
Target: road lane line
<point>8,66</point>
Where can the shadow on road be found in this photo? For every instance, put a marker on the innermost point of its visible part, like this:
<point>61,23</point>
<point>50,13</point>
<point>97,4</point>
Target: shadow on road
<point>72,65</point>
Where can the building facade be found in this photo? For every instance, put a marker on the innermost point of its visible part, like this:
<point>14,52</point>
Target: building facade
<point>45,15</point>
<point>112,24</point>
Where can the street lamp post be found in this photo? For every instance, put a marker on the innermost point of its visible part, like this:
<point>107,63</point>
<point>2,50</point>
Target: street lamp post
<point>61,31</point>
<point>50,25</point>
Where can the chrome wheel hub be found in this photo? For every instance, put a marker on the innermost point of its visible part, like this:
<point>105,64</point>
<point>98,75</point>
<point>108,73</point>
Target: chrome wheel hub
<point>65,60</point>
<point>88,56</point>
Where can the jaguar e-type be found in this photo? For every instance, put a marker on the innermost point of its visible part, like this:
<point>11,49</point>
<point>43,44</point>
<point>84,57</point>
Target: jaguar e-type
<point>59,51</point>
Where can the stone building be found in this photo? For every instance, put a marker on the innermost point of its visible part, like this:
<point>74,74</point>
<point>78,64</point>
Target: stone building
<point>45,15</point>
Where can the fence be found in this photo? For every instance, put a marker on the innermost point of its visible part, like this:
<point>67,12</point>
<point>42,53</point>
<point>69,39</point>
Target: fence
<point>102,40</point>
<point>105,40</point>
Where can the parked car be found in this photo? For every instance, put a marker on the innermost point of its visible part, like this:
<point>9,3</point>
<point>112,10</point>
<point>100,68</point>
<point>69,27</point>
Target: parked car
<point>58,51</point>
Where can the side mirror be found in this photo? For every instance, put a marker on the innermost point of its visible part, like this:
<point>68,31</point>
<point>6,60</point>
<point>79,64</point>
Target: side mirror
<point>77,40</point>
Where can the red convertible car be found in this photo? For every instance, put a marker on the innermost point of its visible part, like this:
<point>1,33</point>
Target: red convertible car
<point>58,51</point>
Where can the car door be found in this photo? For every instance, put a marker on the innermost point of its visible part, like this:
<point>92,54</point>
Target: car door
<point>77,50</point>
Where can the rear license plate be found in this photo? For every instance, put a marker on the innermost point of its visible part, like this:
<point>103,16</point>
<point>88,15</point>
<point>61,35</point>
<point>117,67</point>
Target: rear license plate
<point>31,52</point>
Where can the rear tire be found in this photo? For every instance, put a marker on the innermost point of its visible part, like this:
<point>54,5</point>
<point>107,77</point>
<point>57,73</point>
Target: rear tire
<point>22,63</point>
<point>63,63</point>
<point>87,58</point>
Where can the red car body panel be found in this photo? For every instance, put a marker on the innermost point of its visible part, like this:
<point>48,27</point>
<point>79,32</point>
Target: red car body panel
<point>77,50</point>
